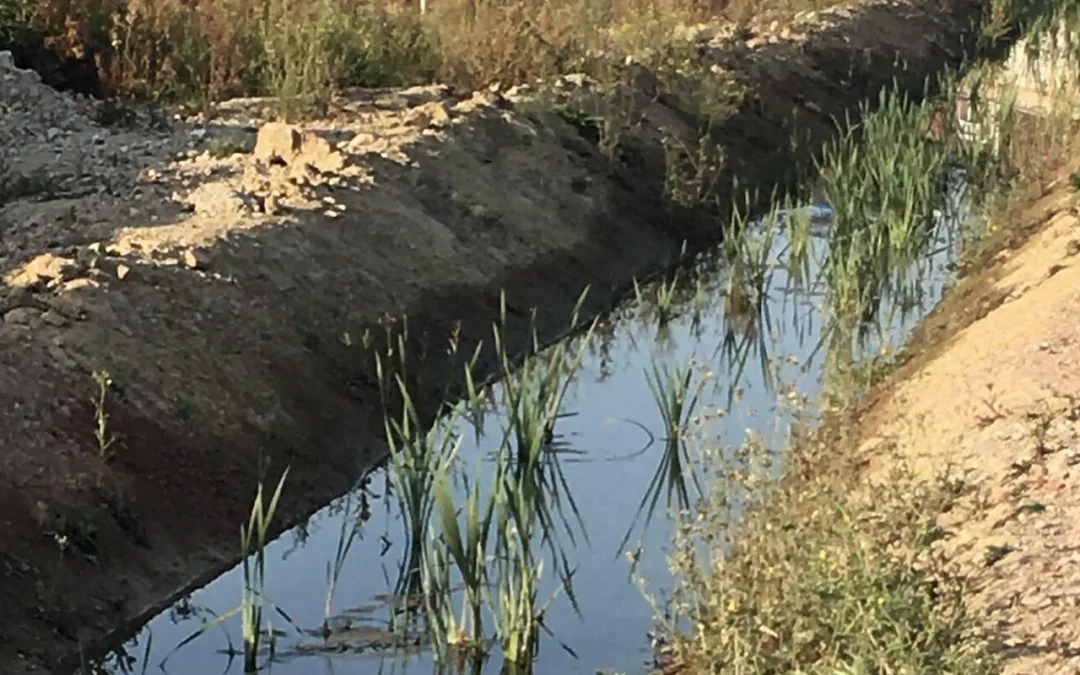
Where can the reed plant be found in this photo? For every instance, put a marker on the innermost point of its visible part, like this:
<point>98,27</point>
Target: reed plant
<point>254,622</point>
<point>483,548</point>
<point>884,182</point>
<point>532,398</point>
<point>677,392</point>
<point>417,457</point>
<point>457,555</point>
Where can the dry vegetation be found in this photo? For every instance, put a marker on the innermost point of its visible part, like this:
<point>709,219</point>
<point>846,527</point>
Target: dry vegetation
<point>198,51</point>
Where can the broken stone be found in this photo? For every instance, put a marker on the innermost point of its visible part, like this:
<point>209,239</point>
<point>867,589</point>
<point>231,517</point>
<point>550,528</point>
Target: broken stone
<point>284,143</point>
<point>122,271</point>
<point>196,259</point>
<point>277,140</point>
<point>428,115</point>
<point>217,199</point>
<point>316,152</point>
<point>46,268</point>
<point>75,284</point>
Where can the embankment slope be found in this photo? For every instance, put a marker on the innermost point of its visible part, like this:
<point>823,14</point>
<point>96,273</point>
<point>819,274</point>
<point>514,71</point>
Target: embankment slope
<point>991,397</point>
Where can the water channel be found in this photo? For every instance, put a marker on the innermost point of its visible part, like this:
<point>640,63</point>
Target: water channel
<point>610,445</point>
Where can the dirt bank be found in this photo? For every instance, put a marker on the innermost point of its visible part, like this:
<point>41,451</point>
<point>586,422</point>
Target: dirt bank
<point>991,396</point>
<point>228,295</point>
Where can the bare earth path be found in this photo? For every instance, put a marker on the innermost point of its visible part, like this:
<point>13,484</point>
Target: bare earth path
<point>227,295</point>
<point>995,400</point>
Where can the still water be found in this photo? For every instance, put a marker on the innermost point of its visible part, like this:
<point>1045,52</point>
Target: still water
<point>610,444</point>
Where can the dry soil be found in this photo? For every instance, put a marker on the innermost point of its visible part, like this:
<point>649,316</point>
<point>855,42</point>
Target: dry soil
<point>991,399</point>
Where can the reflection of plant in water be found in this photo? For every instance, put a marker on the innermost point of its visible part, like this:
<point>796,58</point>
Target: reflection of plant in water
<point>532,398</point>
<point>605,330</point>
<point>748,254</point>
<point>664,293</point>
<point>884,183</point>
<point>121,660</point>
<point>183,609</point>
<point>350,529</point>
<point>677,397</point>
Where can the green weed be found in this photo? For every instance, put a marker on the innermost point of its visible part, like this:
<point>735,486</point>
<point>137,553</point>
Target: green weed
<point>254,601</point>
<point>105,438</point>
<point>817,576</point>
<point>487,545</point>
<point>677,395</point>
<point>417,457</point>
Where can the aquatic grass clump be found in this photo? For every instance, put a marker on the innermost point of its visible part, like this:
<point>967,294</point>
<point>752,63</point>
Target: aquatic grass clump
<point>886,186</point>
<point>677,392</point>
<point>484,551</point>
<point>254,601</point>
<point>473,563</point>
<point>254,538</point>
<point>465,549</point>
<point>418,456</point>
<point>533,392</point>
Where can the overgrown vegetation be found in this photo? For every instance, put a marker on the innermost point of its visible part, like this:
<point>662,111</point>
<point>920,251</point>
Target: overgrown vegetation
<point>801,576</point>
<point>201,52</point>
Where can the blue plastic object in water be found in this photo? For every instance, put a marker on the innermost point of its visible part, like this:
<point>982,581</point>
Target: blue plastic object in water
<point>821,211</point>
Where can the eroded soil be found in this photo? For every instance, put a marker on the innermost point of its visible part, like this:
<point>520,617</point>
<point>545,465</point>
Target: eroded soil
<point>228,293</point>
<point>991,398</point>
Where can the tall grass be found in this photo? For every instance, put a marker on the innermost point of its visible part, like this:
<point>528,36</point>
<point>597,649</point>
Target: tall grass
<point>303,52</point>
<point>346,536</point>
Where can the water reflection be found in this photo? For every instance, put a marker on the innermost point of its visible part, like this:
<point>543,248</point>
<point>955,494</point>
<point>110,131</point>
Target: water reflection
<point>339,574</point>
<point>706,348</point>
